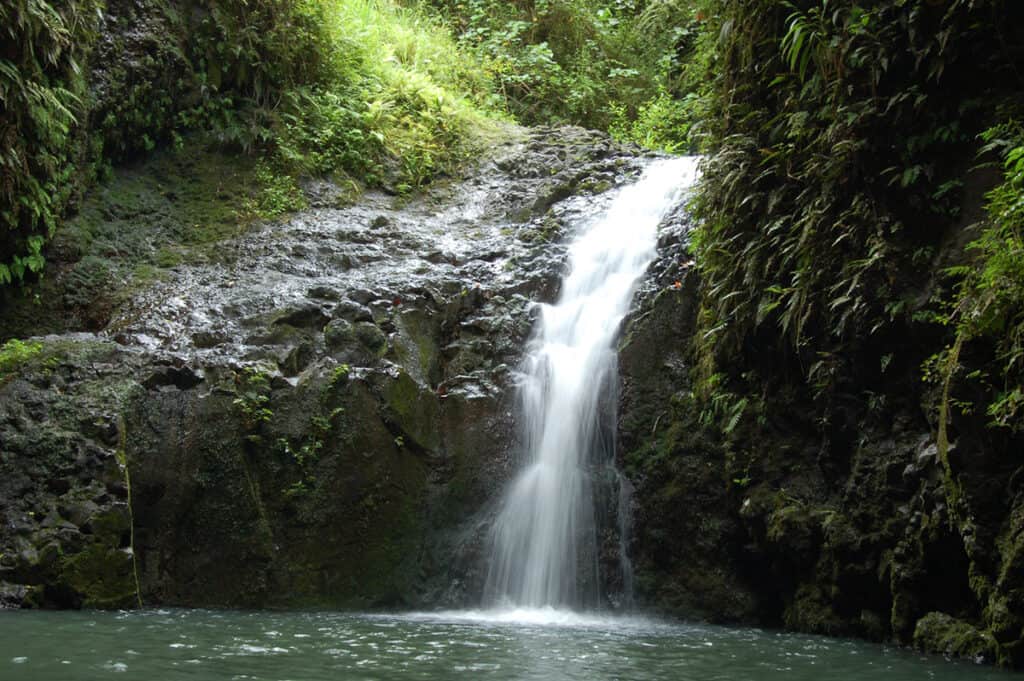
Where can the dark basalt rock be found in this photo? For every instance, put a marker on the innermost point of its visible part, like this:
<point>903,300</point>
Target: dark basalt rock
<point>852,525</point>
<point>182,378</point>
<point>939,633</point>
<point>303,317</point>
<point>320,415</point>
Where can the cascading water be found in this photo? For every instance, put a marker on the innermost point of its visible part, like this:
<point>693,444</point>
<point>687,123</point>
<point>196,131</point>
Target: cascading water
<point>544,549</point>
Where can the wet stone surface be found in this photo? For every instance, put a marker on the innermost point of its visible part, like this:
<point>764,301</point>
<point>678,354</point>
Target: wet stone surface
<point>320,414</point>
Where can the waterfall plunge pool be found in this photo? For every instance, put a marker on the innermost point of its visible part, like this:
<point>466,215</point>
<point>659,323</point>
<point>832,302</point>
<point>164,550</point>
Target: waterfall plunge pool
<point>179,645</point>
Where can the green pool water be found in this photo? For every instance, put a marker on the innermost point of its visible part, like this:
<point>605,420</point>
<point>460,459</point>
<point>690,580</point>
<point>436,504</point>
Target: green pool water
<point>173,645</point>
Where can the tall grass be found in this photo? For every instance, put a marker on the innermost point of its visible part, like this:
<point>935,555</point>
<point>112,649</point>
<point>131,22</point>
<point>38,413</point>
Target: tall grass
<point>404,105</point>
<point>405,46</point>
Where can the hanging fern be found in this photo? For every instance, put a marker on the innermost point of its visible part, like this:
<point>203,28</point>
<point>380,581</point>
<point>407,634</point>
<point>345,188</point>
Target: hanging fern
<point>41,86</point>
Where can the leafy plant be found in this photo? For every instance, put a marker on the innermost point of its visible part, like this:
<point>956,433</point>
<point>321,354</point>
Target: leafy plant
<point>15,353</point>
<point>42,88</point>
<point>830,123</point>
<point>277,193</point>
<point>663,123</point>
<point>588,62</point>
<point>322,425</point>
<point>363,88</point>
<point>989,294</point>
<point>253,399</point>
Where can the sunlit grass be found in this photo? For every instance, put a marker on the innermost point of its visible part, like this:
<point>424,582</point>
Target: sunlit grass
<point>421,99</point>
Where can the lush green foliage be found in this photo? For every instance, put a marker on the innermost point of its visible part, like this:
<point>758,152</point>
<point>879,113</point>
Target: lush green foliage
<point>609,64</point>
<point>253,400</point>
<point>989,301</point>
<point>401,106</point>
<point>41,90</point>
<point>260,49</point>
<point>15,352</point>
<point>361,87</point>
<point>835,127</point>
<point>356,86</point>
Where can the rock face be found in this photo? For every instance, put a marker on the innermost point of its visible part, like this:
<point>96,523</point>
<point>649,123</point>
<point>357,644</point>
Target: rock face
<point>66,533</point>
<point>318,414</point>
<point>854,526</point>
<point>685,547</point>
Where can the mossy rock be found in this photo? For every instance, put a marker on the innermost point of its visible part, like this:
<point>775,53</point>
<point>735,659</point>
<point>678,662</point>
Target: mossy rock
<point>796,527</point>
<point>416,345</point>
<point>149,217</point>
<point>940,633</point>
<point>111,527</point>
<point>811,611</point>
<point>339,334</point>
<point>415,410</point>
<point>102,577</point>
<point>103,573</point>
<point>371,337</point>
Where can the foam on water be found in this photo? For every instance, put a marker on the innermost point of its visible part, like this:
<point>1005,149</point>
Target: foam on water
<point>544,616</point>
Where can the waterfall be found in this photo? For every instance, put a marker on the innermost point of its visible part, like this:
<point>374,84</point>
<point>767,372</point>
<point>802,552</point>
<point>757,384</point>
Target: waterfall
<point>544,543</point>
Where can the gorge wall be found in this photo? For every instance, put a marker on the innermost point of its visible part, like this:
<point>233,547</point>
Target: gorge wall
<point>838,518</point>
<point>319,414</point>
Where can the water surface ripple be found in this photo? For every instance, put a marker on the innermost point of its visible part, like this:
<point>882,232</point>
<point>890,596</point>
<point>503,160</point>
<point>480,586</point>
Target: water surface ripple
<point>173,645</point>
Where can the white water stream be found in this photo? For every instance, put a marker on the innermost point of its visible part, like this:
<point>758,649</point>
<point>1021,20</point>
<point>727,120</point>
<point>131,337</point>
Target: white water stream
<point>544,552</point>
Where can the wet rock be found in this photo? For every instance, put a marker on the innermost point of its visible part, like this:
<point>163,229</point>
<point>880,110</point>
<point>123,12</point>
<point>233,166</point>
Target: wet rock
<point>309,316</point>
<point>101,427</point>
<point>209,339</point>
<point>940,633</point>
<point>58,486</point>
<point>27,561</point>
<point>414,410</point>
<point>439,257</point>
<point>339,334</point>
<point>356,465</point>
<point>363,296</point>
<point>352,311</point>
<point>79,512</point>
<point>182,378</point>
<point>371,337</point>
<point>688,540</point>
<point>324,293</point>
<point>12,595</point>
<point>297,359</point>
<point>53,521</point>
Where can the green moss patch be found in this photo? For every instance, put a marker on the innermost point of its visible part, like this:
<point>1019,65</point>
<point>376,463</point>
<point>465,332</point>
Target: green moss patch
<point>146,220</point>
<point>940,633</point>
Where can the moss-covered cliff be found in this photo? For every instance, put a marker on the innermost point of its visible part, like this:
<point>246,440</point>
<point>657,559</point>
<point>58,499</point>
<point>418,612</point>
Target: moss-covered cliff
<point>837,450</point>
<point>309,87</point>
